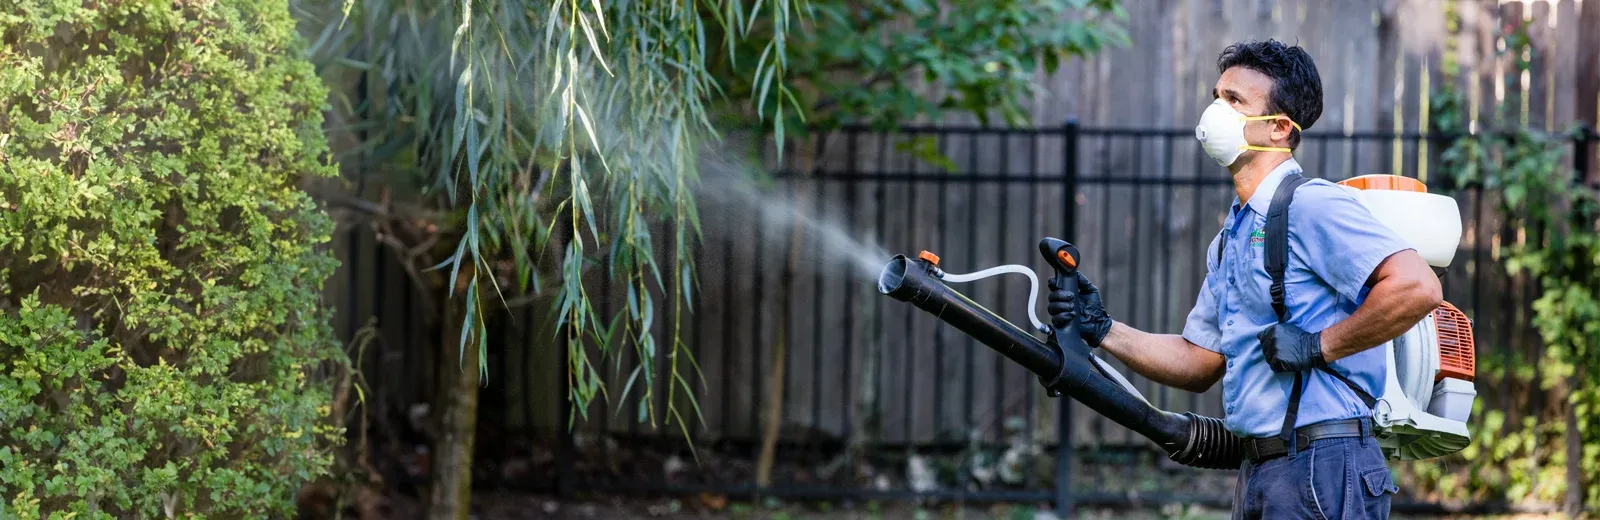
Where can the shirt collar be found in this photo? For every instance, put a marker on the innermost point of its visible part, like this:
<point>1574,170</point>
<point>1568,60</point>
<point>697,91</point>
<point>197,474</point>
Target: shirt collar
<point>1261,200</point>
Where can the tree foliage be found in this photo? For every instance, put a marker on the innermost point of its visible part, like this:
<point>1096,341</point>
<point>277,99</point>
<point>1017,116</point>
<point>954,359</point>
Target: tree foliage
<point>888,63</point>
<point>160,272</point>
<point>544,130</point>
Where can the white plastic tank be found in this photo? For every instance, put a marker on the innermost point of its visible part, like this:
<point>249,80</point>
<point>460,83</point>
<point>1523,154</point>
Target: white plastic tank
<point>1452,399</point>
<point>1430,223</point>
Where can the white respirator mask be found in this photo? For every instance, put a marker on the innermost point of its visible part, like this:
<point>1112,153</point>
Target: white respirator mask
<point>1221,132</point>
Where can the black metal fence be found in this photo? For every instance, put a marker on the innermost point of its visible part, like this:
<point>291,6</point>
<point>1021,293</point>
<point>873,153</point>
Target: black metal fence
<point>902,389</point>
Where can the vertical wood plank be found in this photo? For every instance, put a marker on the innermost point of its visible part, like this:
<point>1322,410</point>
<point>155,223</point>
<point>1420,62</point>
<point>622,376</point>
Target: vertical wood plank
<point>1411,93</point>
<point>1421,45</point>
<point>1540,68</point>
<point>1465,54</point>
<point>1563,53</point>
<point>1513,116</point>
<point>1436,79</point>
<point>1511,73</point>
<point>1362,18</point>
<point>1587,92</point>
<point>1075,91</point>
<point>1487,65</point>
<point>1390,84</point>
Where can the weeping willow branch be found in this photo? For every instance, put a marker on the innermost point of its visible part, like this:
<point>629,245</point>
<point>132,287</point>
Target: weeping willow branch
<point>561,129</point>
<point>465,101</point>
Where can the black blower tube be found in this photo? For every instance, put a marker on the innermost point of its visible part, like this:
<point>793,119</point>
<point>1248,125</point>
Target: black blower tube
<point>1189,439</point>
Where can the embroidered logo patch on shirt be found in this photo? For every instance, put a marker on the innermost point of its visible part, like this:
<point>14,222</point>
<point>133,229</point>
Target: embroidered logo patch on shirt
<point>1258,238</point>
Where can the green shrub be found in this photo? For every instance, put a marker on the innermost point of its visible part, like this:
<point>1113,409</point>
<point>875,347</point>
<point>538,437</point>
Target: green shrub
<point>160,272</point>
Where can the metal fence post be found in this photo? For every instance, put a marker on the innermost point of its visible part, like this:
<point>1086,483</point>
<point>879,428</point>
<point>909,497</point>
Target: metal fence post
<point>1580,151</point>
<point>1069,192</point>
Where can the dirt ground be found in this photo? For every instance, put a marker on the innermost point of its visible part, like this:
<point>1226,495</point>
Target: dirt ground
<point>521,506</point>
<point>620,462</point>
<point>508,506</point>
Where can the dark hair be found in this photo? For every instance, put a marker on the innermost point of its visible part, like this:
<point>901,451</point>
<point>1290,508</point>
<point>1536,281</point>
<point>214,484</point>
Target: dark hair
<point>1296,87</point>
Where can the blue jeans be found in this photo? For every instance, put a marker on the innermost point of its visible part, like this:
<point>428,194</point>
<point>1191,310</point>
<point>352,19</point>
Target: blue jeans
<point>1332,479</point>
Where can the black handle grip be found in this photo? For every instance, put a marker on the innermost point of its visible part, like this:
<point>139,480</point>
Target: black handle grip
<point>1064,259</point>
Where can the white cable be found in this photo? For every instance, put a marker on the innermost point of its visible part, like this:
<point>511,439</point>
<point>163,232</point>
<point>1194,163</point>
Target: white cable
<point>1033,299</point>
<point>1118,377</point>
<point>1033,289</point>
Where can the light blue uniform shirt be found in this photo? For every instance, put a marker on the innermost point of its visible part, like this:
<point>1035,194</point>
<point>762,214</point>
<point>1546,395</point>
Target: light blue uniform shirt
<point>1335,244</point>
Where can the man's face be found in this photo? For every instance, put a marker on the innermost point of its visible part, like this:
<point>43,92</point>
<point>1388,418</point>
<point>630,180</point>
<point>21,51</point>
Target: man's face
<point>1248,91</point>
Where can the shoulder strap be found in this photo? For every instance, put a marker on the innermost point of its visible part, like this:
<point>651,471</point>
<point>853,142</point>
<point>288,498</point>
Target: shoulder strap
<point>1277,261</point>
<point>1277,243</point>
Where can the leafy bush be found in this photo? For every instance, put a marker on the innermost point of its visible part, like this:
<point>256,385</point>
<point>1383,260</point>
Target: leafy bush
<point>160,325</point>
<point>1533,439</point>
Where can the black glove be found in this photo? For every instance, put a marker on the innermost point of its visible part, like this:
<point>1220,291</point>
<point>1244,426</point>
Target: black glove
<point>1084,301</point>
<point>1289,349</point>
<point>1093,322</point>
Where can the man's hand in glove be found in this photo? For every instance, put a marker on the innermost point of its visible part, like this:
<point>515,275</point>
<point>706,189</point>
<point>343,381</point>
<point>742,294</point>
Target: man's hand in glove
<point>1084,301</point>
<point>1289,349</point>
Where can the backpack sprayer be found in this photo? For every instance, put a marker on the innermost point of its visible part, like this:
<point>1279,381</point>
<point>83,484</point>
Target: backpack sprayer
<point>1421,413</point>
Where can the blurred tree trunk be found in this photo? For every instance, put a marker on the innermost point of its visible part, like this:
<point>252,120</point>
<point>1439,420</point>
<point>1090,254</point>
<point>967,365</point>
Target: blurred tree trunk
<point>774,408</point>
<point>450,497</point>
<point>776,377</point>
<point>865,432</point>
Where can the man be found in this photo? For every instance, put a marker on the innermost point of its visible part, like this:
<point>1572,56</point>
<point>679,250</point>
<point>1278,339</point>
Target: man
<point>1349,283</point>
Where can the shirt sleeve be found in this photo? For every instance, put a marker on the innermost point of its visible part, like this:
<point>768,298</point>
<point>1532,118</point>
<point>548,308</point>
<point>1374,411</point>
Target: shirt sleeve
<point>1335,237</point>
<point>1201,328</point>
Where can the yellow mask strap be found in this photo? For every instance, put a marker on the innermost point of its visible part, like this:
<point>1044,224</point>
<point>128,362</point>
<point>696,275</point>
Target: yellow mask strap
<point>1269,148</point>
<point>1271,117</point>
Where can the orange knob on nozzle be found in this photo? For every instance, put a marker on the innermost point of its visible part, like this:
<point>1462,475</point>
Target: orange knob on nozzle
<point>929,256</point>
<point>1067,259</point>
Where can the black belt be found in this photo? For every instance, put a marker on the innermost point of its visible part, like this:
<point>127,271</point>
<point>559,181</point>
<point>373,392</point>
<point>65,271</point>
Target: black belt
<point>1269,447</point>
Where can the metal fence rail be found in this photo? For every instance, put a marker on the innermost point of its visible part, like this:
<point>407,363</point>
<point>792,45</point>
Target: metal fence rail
<point>1142,204</point>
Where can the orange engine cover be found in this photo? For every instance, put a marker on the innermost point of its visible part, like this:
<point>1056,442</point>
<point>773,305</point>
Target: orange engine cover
<point>1385,182</point>
<point>1454,331</point>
